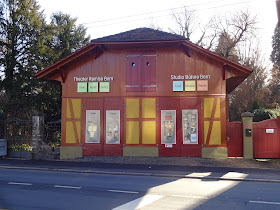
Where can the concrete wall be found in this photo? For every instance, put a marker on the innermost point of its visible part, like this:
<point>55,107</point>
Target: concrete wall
<point>70,152</point>
<point>215,152</point>
<point>140,151</point>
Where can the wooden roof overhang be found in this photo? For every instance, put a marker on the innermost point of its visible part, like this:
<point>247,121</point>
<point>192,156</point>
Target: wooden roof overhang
<point>233,72</point>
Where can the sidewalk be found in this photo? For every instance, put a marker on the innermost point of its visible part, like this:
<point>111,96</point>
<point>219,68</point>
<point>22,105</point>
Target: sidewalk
<point>177,167</point>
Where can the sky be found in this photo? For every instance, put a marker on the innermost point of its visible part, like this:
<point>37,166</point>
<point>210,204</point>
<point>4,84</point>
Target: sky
<point>108,17</point>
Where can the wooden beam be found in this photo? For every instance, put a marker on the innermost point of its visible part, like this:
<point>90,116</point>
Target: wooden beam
<point>185,50</point>
<point>224,71</point>
<point>62,74</point>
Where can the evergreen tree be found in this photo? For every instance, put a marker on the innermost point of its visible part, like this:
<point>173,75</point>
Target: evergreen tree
<point>27,46</point>
<point>67,35</point>
<point>275,54</point>
<point>20,38</point>
<point>275,71</point>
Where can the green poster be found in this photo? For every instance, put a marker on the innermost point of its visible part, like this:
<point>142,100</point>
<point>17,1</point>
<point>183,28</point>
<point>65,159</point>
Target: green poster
<point>93,87</point>
<point>104,87</point>
<point>82,87</point>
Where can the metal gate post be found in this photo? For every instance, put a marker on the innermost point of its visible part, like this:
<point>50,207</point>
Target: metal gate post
<point>247,124</point>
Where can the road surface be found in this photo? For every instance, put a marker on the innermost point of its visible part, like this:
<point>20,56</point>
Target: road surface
<point>31,189</point>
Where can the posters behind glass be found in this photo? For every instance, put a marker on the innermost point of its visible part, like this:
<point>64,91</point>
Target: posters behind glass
<point>168,127</point>
<point>112,126</point>
<point>92,126</point>
<point>190,129</point>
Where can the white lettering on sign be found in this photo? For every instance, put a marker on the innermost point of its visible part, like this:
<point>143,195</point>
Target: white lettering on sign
<point>80,79</point>
<point>190,77</point>
<point>173,77</point>
<point>93,79</point>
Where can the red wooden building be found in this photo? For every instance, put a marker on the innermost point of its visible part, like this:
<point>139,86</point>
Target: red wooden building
<point>144,93</point>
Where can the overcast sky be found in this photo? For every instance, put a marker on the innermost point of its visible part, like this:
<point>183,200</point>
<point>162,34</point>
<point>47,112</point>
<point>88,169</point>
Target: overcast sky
<point>107,17</point>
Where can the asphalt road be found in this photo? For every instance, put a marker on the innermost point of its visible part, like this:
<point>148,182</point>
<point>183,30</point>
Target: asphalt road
<point>22,189</point>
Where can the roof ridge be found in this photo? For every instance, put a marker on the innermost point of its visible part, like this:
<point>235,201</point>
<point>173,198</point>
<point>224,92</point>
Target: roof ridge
<point>140,35</point>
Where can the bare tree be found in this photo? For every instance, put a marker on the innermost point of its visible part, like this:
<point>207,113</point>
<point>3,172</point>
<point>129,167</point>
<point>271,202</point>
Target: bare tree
<point>224,32</point>
<point>185,21</point>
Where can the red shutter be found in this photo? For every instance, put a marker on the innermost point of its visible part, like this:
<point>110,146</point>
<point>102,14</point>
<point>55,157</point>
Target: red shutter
<point>149,73</point>
<point>133,73</point>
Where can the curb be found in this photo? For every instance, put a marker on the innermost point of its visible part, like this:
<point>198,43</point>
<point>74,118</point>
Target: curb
<point>142,174</point>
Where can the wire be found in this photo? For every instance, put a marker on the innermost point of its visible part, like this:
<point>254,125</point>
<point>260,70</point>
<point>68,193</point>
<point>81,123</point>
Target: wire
<point>158,16</point>
<point>147,13</point>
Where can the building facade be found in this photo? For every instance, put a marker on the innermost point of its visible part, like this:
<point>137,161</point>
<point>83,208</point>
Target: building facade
<point>144,93</point>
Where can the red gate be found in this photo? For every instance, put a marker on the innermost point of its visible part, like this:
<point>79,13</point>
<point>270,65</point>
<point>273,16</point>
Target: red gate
<point>266,139</point>
<point>235,139</point>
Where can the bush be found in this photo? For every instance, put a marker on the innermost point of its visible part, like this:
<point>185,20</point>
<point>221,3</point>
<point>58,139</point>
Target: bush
<point>19,147</point>
<point>265,114</point>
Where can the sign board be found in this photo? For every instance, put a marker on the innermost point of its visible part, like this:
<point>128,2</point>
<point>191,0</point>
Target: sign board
<point>269,130</point>
<point>104,87</point>
<point>93,87</point>
<point>112,126</point>
<point>190,126</point>
<point>82,87</point>
<point>92,126</point>
<point>168,145</point>
<point>168,127</point>
<point>202,85</point>
<point>190,85</point>
<point>177,85</point>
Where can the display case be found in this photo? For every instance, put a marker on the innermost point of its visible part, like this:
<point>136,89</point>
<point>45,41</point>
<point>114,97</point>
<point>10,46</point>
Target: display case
<point>190,126</point>
<point>168,126</point>
<point>113,127</point>
<point>92,126</point>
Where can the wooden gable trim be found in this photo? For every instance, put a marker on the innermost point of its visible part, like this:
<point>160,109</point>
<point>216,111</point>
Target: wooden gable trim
<point>97,50</point>
<point>219,58</point>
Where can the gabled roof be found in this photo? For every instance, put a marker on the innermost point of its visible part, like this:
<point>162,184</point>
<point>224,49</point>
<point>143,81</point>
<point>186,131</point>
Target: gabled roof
<point>140,35</point>
<point>144,38</point>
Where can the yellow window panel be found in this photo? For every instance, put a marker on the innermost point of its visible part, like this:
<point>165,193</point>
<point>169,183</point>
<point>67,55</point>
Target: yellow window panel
<point>78,126</point>
<point>132,108</point>
<point>206,128</point>
<point>148,108</point>
<point>215,138</point>
<point>68,112</point>
<point>132,132</point>
<point>149,132</point>
<point>208,106</point>
<point>77,107</point>
<point>70,135</point>
<point>218,109</point>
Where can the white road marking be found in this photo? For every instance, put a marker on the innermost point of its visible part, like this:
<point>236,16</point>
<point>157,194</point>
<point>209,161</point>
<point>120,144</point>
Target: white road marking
<point>235,175</point>
<point>67,187</point>
<point>190,196</point>
<point>20,183</point>
<point>265,202</point>
<point>139,203</point>
<point>123,191</point>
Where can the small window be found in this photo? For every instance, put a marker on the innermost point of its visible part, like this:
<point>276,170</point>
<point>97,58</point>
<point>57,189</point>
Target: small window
<point>148,63</point>
<point>133,64</point>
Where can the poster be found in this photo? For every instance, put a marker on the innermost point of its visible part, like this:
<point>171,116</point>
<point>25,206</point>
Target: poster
<point>92,126</point>
<point>190,126</point>
<point>112,126</point>
<point>168,127</point>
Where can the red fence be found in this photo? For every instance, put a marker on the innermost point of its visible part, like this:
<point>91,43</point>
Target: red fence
<point>266,139</point>
<point>235,139</point>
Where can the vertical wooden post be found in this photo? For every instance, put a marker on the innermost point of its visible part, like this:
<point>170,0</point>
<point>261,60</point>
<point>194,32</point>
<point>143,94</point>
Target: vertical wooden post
<point>247,124</point>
